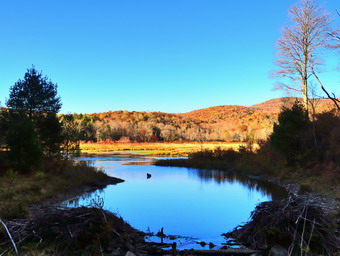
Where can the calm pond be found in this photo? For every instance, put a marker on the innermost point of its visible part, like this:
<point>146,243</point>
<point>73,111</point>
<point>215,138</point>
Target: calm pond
<point>193,203</point>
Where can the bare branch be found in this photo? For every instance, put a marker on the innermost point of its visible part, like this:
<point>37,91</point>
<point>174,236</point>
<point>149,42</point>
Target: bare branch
<point>334,99</point>
<point>10,237</point>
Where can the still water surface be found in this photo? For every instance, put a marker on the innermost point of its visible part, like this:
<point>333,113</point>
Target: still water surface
<point>201,204</point>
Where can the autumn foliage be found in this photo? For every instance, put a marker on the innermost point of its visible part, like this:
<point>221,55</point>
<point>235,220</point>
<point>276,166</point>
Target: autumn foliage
<point>228,123</point>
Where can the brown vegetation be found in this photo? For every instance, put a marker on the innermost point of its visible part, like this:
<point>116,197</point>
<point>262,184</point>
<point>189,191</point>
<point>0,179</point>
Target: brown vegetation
<point>220,123</point>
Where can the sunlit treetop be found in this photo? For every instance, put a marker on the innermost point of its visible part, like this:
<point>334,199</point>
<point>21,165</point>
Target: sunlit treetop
<point>34,94</point>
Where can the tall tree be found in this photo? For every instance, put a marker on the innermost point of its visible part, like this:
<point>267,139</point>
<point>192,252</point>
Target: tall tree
<point>35,98</point>
<point>299,47</point>
<point>34,95</point>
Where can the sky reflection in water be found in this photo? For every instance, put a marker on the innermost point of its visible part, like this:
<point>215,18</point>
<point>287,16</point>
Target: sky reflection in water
<point>189,202</point>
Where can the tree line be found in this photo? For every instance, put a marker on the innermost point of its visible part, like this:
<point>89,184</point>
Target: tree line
<point>157,127</point>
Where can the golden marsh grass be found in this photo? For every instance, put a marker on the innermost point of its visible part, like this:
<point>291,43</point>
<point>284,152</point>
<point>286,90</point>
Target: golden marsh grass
<point>157,148</point>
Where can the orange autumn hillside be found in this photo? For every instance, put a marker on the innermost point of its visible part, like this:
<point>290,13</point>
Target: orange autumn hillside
<point>230,123</point>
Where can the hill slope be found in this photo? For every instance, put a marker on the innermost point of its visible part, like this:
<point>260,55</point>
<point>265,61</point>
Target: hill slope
<point>275,105</point>
<point>225,123</point>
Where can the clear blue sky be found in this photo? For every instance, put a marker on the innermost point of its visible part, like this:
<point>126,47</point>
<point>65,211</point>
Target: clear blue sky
<point>152,55</point>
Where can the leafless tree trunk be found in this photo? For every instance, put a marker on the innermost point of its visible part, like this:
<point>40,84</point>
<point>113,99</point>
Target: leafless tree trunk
<point>299,47</point>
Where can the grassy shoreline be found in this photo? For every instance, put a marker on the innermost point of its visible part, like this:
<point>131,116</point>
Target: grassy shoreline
<point>19,192</point>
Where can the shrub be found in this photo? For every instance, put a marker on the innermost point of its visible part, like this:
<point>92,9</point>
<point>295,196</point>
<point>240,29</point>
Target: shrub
<point>218,153</point>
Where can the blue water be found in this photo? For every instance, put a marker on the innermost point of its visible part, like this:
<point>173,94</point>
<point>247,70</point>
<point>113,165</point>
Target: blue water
<point>201,204</point>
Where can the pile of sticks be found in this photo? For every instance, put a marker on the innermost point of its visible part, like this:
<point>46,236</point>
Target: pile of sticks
<point>75,231</point>
<point>296,223</point>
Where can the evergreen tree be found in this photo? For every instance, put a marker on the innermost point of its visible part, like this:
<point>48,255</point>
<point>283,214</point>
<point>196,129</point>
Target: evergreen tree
<point>288,135</point>
<point>34,95</point>
<point>30,124</point>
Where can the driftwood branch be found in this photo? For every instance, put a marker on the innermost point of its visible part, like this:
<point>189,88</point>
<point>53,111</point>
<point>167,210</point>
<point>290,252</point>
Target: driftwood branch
<point>10,237</point>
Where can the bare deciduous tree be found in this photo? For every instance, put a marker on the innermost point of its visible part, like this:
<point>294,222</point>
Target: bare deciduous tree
<point>299,47</point>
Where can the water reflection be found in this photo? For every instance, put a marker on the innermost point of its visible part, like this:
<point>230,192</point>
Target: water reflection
<point>201,204</point>
<point>220,177</point>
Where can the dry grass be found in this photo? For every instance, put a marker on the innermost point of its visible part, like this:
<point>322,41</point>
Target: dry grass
<point>157,148</point>
<point>18,191</point>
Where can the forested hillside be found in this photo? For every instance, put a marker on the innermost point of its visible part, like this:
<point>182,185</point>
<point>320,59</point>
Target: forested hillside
<point>229,123</point>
